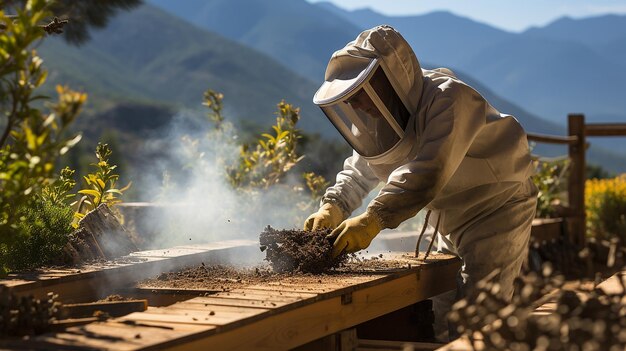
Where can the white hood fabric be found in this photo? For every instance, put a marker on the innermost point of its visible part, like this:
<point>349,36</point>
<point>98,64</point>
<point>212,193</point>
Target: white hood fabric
<point>461,158</point>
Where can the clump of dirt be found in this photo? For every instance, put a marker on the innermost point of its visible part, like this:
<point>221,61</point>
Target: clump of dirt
<point>299,251</point>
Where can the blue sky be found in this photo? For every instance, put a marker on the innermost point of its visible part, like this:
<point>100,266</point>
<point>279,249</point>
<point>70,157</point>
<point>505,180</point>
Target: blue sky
<point>513,15</point>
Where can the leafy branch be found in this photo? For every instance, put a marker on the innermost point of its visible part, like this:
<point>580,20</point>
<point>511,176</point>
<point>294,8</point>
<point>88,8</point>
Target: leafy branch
<point>273,155</point>
<point>101,186</point>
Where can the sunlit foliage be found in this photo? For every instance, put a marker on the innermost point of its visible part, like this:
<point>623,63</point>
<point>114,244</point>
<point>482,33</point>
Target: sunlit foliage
<point>605,204</point>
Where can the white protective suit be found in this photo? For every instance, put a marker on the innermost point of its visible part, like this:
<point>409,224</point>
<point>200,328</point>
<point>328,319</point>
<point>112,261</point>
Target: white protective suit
<point>459,157</point>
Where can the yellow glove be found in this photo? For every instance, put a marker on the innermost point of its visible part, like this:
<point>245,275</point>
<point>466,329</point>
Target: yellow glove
<point>328,216</point>
<point>355,234</point>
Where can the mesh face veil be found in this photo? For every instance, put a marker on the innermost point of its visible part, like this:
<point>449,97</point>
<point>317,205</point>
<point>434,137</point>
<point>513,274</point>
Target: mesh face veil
<point>365,107</point>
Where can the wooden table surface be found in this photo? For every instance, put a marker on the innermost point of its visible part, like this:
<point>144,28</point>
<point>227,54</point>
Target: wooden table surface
<point>272,316</point>
<point>96,280</point>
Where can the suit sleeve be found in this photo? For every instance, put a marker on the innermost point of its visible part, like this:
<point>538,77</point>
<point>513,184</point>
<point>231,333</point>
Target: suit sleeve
<point>353,183</point>
<point>453,120</point>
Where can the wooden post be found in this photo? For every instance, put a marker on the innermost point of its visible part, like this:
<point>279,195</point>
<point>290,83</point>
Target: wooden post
<point>576,184</point>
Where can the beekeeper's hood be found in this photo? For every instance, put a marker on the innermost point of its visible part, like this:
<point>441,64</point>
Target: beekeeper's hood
<point>371,91</point>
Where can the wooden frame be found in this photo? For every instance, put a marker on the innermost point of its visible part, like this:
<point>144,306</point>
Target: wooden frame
<point>94,281</point>
<point>259,317</point>
<point>576,140</point>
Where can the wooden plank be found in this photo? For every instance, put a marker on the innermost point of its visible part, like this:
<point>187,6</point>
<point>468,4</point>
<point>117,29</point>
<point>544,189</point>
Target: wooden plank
<point>461,344</point>
<point>155,325</point>
<point>190,318</point>
<point>269,292</point>
<point>605,129</point>
<point>300,289</point>
<point>60,325</point>
<point>237,302</point>
<point>576,180</point>
<point>159,298</point>
<point>259,297</point>
<point>546,309</point>
<point>111,308</point>
<point>207,315</point>
<point>290,325</point>
<point>175,291</point>
<point>293,327</point>
<point>171,252</point>
<point>386,345</point>
<point>294,288</point>
<point>217,308</point>
<point>96,281</point>
<point>546,230</point>
<point>115,336</point>
<point>552,139</point>
<point>613,285</point>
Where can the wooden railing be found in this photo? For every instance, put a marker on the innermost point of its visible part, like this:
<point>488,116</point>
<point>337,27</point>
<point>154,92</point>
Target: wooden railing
<point>577,144</point>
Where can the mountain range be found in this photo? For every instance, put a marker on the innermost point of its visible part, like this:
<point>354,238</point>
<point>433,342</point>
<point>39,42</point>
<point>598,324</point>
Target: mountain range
<point>566,66</point>
<point>148,57</point>
<point>150,62</point>
<point>543,73</point>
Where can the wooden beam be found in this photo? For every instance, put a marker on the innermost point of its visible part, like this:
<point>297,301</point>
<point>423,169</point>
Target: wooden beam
<point>95,281</point>
<point>111,308</point>
<point>576,181</point>
<point>312,321</point>
<point>552,139</point>
<point>546,230</point>
<point>605,129</point>
<point>378,345</point>
<point>613,285</point>
<point>264,325</point>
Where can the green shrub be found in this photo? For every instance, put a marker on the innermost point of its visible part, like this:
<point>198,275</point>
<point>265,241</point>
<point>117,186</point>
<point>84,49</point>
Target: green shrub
<point>100,186</point>
<point>550,179</point>
<point>605,205</point>
<point>266,163</point>
<point>42,236</point>
<point>32,139</point>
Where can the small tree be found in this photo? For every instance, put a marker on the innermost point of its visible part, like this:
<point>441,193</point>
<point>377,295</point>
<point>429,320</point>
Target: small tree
<point>100,186</point>
<point>274,154</point>
<point>32,139</point>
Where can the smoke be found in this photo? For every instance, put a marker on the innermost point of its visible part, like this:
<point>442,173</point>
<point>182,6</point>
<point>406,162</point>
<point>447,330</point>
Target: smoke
<point>195,203</point>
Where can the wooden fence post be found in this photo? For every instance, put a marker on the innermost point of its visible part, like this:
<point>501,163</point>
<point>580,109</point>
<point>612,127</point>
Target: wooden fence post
<point>576,184</point>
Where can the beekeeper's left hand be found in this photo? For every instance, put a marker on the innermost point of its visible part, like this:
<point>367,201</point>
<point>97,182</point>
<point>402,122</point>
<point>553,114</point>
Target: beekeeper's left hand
<point>355,234</point>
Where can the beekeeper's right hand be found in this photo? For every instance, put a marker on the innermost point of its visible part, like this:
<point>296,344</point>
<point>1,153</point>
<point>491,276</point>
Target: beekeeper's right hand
<point>328,216</point>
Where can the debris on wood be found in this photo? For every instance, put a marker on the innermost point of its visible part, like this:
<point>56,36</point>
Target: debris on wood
<point>299,250</point>
<point>204,279</point>
<point>208,278</point>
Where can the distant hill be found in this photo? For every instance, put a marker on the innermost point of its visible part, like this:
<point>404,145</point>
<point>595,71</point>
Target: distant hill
<point>591,31</point>
<point>247,18</point>
<point>296,33</point>
<point>570,65</point>
<point>439,37</point>
<point>534,124</point>
<point>147,63</point>
<point>150,57</point>
<point>560,77</point>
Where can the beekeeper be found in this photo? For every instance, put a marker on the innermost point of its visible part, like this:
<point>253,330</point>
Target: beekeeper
<point>437,144</point>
